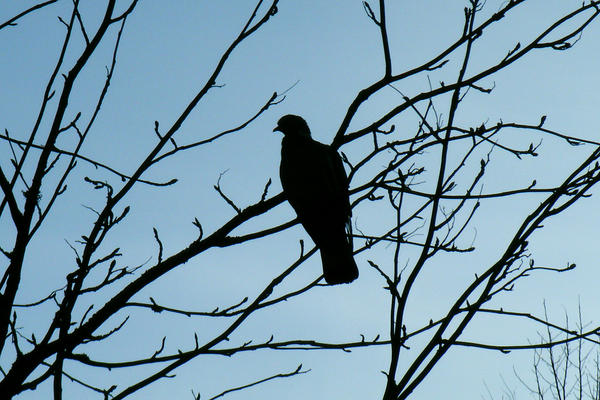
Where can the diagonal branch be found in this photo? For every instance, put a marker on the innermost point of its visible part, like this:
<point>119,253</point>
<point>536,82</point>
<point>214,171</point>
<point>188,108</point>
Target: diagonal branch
<point>13,20</point>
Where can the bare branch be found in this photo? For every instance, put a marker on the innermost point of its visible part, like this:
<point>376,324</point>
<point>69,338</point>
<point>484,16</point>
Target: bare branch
<point>297,371</point>
<point>13,20</point>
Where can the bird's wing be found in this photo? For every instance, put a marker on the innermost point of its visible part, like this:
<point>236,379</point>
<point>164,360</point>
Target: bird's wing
<point>340,186</point>
<point>339,181</point>
<point>332,179</point>
<point>315,182</point>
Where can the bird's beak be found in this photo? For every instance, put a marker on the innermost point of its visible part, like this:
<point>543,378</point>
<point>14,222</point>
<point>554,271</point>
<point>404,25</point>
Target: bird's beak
<point>277,128</point>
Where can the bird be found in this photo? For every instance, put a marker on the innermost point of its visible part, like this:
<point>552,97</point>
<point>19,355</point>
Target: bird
<point>316,186</point>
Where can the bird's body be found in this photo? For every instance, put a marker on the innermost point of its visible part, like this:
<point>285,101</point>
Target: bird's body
<point>315,183</point>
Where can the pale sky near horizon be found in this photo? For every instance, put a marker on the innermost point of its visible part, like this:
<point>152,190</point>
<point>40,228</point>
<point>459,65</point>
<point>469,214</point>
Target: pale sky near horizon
<point>325,52</point>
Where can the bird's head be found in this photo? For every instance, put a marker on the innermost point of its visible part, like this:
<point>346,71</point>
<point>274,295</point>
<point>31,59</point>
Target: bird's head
<point>292,125</point>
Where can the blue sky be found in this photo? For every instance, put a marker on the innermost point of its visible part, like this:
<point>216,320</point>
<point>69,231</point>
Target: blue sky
<point>325,52</point>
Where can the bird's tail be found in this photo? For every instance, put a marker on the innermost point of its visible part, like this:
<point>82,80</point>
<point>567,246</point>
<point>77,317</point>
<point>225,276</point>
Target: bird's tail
<point>338,262</point>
